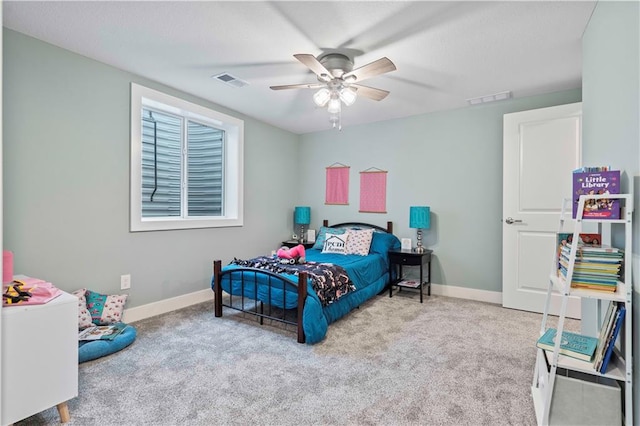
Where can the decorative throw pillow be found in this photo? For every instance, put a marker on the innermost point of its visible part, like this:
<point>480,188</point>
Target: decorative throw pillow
<point>322,235</point>
<point>84,317</point>
<point>359,241</point>
<point>105,309</point>
<point>335,243</point>
<point>382,242</point>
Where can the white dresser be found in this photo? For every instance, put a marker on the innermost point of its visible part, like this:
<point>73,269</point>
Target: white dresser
<point>39,358</point>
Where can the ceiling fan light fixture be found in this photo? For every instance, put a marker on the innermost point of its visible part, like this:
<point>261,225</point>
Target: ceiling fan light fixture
<point>334,105</point>
<point>321,97</point>
<point>336,74</point>
<point>348,96</point>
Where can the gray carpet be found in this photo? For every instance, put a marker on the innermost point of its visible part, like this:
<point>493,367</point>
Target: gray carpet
<point>394,361</point>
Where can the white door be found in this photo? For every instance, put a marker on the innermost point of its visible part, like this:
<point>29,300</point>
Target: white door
<point>541,148</point>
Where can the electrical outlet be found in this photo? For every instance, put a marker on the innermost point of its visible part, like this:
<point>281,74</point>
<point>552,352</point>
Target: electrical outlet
<point>125,282</point>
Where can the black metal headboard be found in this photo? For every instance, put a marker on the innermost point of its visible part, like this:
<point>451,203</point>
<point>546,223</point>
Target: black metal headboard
<point>388,230</point>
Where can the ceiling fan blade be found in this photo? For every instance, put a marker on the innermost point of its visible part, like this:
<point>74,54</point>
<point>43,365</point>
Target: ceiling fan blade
<point>381,66</point>
<point>314,65</point>
<point>370,92</point>
<point>299,86</point>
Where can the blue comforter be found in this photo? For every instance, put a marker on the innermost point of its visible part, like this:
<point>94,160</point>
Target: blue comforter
<point>369,274</point>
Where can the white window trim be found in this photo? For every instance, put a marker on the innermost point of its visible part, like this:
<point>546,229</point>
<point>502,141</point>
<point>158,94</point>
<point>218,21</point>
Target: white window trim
<point>234,162</point>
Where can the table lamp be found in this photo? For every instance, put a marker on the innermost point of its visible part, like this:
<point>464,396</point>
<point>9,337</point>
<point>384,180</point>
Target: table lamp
<point>419,218</point>
<point>302,217</point>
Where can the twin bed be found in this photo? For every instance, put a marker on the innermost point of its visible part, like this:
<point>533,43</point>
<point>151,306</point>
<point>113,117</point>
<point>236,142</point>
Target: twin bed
<point>312,295</point>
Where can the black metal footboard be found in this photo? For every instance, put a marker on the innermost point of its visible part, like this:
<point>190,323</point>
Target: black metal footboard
<point>250,279</point>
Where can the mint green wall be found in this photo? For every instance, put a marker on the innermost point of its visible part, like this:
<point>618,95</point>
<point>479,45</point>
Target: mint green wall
<point>450,161</point>
<point>66,182</point>
<point>611,87</point>
<point>611,129</point>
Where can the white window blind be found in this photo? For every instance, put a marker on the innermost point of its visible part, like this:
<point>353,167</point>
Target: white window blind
<point>186,164</point>
<point>164,140</point>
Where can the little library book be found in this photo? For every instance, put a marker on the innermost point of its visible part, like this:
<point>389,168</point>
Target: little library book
<point>572,344</point>
<point>102,332</point>
<point>597,183</point>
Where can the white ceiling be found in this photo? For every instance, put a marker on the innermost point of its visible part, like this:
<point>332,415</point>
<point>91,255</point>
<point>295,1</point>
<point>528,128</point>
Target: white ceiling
<point>445,52</point>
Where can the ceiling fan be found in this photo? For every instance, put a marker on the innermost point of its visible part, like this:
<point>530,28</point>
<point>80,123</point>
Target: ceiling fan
<point>338,82</point>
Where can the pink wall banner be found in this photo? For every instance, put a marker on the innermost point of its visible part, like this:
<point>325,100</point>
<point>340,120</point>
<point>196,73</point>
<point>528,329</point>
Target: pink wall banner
<point>337,191</point>
<point>373,191</point>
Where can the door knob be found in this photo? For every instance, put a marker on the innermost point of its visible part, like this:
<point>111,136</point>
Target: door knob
<point>511,221</point>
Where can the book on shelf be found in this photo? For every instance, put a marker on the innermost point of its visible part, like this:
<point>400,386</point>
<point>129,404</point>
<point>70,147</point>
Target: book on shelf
<point>572,344</point>
<point>579,264</point>
<point>584,169</point>
<point>590,251</point>
<point>598,182</point>
<point>593,262</point>
<point>605,330</point>
<point>611,341</point>
<point>584,239</point>
<point>591,281</point>
<point>595,267</point>
<point>602,258</point>
<point>593,286</point>
<point>594,279</point>
<point>565,244</point>
<point>595,271</point>
<point>102,332</point>
<point>599,251</point>
<point>409,283</point>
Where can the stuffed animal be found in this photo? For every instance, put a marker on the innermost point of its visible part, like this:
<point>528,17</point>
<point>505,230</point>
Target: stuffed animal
<point>295,254</point>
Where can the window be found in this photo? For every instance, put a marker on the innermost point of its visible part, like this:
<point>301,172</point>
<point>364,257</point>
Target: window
<point>186,164</point>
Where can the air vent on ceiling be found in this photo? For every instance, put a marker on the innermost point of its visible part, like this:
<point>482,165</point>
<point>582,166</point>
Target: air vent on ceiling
<point>229,79</point>
<point>490,98</point>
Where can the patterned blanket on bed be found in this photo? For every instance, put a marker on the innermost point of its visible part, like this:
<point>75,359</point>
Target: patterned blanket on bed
<point>329,281</point>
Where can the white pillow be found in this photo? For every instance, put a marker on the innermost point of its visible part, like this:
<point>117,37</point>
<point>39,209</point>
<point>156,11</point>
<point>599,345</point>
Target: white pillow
<point>359,241</point>
<point>335,243</point>
<point>84,317</point>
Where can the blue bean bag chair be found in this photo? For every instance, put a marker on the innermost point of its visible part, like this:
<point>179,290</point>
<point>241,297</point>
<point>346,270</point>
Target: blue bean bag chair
<point>93,349</point>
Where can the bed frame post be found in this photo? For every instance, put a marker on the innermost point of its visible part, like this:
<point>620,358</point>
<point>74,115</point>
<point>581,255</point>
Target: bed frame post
<point>217,288</point>
<point>325,223</point>
<point>302,296</point>
<point>390,227</point>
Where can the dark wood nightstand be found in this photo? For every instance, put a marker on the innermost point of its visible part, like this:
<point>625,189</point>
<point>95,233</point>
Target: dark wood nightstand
<point>293,243</point>
<point>402,258</point>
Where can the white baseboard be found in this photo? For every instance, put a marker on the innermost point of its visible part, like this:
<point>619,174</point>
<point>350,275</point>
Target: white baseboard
<point>467,293</point>
<point>163,306</point>
<point>167,305</point>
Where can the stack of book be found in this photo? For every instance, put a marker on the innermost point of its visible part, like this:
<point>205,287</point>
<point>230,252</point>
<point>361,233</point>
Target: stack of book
<point>572,344</point>
<point>596,267</point>
<point>586,348</point>
<point>608,335</point>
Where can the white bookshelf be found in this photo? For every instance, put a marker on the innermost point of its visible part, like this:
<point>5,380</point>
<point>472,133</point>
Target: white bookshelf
<point>621,366</point>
